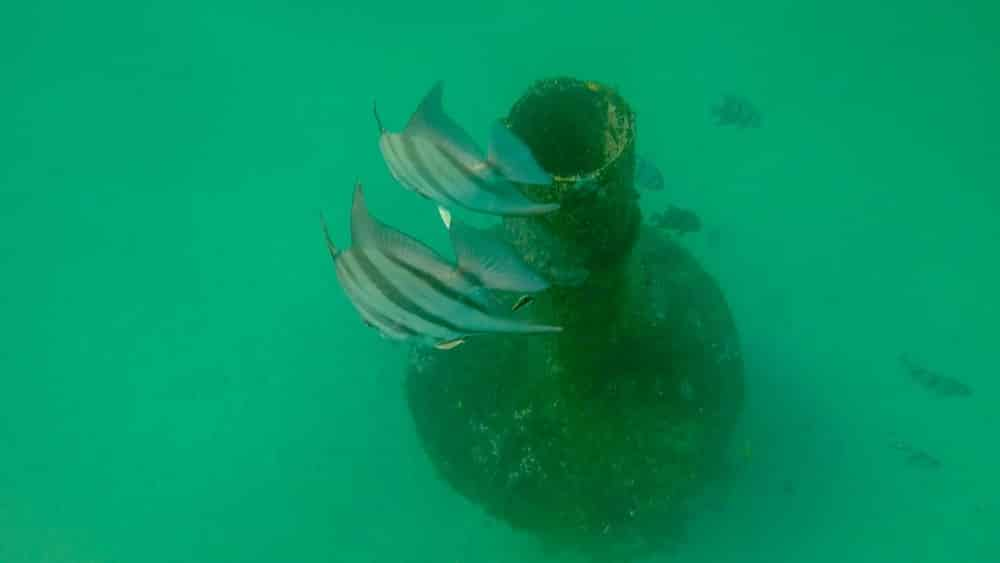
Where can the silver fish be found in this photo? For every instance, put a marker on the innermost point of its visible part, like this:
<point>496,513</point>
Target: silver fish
<point>408,292</point>
<point>489,261</point>
<point>434,157</point>
<point>736,111</point>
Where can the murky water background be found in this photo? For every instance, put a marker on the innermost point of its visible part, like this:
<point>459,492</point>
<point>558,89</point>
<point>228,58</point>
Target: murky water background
<point>181,378</point>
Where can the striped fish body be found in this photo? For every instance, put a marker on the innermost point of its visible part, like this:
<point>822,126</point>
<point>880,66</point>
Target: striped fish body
<point>434,157</point>
<point>377,308</point>
<point>404,310</point>
<point>408,292</point>
<point>437,172</point>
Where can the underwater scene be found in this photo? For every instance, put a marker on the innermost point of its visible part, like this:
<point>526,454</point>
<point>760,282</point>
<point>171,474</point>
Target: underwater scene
<point>534,282</point>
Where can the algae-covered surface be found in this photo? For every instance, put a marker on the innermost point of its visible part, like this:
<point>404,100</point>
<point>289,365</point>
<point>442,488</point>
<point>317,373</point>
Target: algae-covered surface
<point>584,133</point>
<point>596,437</point>
<point>606,452</point>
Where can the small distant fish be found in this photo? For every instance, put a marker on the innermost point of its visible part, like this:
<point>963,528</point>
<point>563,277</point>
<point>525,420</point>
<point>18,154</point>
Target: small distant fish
<point>434,157</point>
<point>736,111</point>
<point>647,175</point>
<point>408,292</point>
<point>522,301</point>
<point>676,219</point>
<point>940,385</point>
<point>915,457</point>
<point>450,344</point>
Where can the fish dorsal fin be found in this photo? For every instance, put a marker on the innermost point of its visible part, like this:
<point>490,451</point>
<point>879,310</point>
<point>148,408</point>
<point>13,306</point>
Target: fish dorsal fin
<point>366,230</point>
<point>491,261</point>
<point>512,157</point>
<point>431,122</point>
<point>362,227</point>
<point>334,251</point>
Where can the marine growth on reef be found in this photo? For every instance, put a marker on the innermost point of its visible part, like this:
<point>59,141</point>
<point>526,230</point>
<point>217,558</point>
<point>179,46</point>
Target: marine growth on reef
<point>595,432</point>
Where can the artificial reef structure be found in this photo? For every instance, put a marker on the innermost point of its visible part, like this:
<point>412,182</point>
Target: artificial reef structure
<point>595,437</point>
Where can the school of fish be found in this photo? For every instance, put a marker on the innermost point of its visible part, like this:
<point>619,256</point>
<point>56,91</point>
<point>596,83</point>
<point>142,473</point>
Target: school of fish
<point>402,287</point>
<point>406,290</point>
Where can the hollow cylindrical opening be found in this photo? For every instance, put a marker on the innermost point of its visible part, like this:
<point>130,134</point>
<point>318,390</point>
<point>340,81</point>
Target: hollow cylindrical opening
<point>583,133</point>
<point>574,127</point>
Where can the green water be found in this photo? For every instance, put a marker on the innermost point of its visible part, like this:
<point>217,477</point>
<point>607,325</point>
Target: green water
<point>182,379</point>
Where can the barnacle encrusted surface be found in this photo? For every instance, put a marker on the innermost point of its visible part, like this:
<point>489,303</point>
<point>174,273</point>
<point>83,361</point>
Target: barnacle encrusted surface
<point>595,436</point>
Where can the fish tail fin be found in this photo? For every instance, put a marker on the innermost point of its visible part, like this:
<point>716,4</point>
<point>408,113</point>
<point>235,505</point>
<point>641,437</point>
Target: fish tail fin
<point>513,158</point>
<point>334,251</point>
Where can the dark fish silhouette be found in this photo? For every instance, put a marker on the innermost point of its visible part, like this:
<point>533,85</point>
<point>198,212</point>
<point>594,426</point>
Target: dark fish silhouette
<point>676,219</point>
<point>940,385</point>
<point>522,301</point>
<point>648,175</point>
<point>736,111</point>
<point>915,457</point>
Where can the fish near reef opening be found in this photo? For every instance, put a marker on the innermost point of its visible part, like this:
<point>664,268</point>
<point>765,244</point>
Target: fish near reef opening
<point>591,123</point>
<point>594,439</point>
<point>583,133</point>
